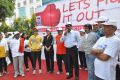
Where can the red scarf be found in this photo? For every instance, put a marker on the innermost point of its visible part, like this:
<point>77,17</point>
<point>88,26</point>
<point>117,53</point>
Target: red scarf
<point>21,46</point>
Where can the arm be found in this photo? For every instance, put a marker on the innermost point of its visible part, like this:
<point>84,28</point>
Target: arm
<point>78,39</point>
<point>100,55</point>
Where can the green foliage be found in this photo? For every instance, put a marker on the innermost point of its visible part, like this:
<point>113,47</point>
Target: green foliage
<point>6,9</point>
<point>33,21</point>
<point>5,28</point>
<point>25,25</point>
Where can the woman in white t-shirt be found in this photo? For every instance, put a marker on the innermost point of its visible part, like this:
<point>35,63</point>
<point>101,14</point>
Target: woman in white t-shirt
<point>106,51</point>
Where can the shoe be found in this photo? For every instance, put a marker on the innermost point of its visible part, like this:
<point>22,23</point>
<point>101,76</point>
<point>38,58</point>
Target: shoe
<point>34,72</point>
<point>5,72</point>
<point>80,68</point>
<point>15,75</point>
<point>40,71</point>
<point>27,69</point>
<point>86,69</point>
<point>76,78</point>
<point>1,74</point>
<point>67,73</point>
<point>59,72</point>
<point>69,76</point>
<point>22,75</point>
<point>51,72</point>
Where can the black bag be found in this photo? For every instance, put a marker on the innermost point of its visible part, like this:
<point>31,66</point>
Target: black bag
<point>118,71</point>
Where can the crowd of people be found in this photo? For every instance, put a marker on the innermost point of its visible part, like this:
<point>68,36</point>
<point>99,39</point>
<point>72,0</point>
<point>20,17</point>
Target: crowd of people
<point>96,47</point>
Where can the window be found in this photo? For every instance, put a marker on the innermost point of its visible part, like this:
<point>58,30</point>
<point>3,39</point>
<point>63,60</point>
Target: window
<point>31,10</point>
<point>22,12</point>
<point>24,3</point>
<point>18,4</point>
<point>31,1</point>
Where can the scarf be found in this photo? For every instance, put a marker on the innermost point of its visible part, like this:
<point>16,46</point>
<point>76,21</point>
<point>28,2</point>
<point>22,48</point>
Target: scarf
<point>21,46</point>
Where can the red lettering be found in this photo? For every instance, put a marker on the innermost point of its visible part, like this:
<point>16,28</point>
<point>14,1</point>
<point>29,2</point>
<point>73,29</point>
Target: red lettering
<point>80,16</point>
<point>87,5</point>
<point>71,6</point>
<point>89,18</point>
<point>67,17</point>
<point>113,1</point>
<point>64,8</point>
<point>79,3</point>
<point>98,2</point>
<point>98,12</point>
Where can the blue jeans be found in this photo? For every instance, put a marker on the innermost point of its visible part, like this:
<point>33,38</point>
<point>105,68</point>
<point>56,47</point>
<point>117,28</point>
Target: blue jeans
<point>90,65</point>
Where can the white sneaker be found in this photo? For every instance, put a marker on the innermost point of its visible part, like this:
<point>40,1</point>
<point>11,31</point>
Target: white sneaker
<point>58,72</point>
<point>86,69</point>
<point>27,69</point>
<point>80,68</point>
<point>34,72</point>
<point>15,75</point>
<point>22,75</point>
<point>67,73</point>
<point>40,71</point>
<point>1,74</point>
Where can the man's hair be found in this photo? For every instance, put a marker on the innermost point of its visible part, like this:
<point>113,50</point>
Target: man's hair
<point>89,26</point>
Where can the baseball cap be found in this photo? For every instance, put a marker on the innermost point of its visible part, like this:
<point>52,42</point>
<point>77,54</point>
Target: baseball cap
<point>82,30</point>
<point>59,29</point>
<point>111,23</point>
<point>95,24</point>
<point>68,23</point>
<point>102,19</point>
<point>48,30</point>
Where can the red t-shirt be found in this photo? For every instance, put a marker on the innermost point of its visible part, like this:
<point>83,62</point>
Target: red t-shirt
<point>60,48</point>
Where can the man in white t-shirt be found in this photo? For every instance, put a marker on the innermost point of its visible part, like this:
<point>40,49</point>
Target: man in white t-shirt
<point>106,52</point>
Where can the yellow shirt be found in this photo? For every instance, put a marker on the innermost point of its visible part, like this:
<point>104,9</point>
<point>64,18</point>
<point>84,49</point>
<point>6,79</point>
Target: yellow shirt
<point>35,43</point>
<point>2,51</point>
<point>3,48</point>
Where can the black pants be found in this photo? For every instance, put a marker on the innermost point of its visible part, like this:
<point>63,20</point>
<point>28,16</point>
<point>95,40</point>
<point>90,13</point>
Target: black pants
<point>36,55</point>
<point>49,56</point>
<point>82,59</point>
<point>72,56</point>
<point>10,56</point>
<point>26,56</point>
<point>3,65</point>
<point>60,58</point>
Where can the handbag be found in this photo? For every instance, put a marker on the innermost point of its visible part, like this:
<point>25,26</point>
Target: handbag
<point>8,61</point>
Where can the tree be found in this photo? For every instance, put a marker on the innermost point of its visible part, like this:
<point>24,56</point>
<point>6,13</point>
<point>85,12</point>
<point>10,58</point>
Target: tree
<point>5,28</point>
<point>6,9</point>
<point>33,21</point>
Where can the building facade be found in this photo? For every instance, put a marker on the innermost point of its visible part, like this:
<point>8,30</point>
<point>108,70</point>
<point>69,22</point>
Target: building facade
<point>25,8</point>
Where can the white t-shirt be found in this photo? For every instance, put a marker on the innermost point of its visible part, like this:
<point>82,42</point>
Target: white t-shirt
<point>27,49</point>
<point>110,46</point>
<point>14,46</point>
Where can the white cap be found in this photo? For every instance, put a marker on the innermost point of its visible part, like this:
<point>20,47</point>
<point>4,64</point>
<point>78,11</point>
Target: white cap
<point>68,23</point>
<point>48,30</point>
<point>82,30</point>
<point>60,29</point>
<point>16,32</point>
<point>112,23</point>
<point>95,23</point>
<point>102,18</point>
